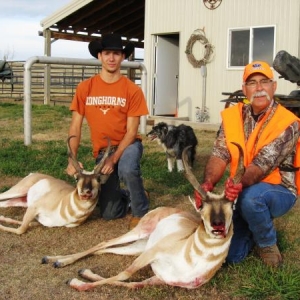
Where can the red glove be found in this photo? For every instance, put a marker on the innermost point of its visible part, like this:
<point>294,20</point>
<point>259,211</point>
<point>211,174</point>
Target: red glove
<point>207,187</point>
<point>232,189</point>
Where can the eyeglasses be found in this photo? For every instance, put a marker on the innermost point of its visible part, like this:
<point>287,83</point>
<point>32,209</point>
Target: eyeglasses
<point>254,83</point>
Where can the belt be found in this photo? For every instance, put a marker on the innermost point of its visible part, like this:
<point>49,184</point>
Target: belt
<point>111,150</point>
<point>114,148</point>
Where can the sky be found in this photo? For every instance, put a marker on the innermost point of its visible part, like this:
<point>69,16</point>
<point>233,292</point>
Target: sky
<point>19,26</point>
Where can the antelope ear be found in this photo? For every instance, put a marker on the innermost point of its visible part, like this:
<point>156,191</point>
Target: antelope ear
<point>196,204</point>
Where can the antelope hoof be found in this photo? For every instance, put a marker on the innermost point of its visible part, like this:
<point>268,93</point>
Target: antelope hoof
<point>45,260</point>
<point>57,264</point>
<point>81,271</point>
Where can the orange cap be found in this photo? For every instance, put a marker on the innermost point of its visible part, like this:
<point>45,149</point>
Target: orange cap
<point>258,67</point>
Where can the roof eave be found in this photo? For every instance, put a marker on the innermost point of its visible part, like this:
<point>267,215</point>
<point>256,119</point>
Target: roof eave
<point>63,12</point>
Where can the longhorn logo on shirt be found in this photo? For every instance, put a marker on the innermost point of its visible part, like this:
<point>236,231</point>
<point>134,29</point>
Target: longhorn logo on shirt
<point>104,110</point>
<point>106,100</point>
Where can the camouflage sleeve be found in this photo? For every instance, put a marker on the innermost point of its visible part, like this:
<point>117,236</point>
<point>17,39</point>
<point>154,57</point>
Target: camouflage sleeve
<point>220,149</point>
<point>280,152</point>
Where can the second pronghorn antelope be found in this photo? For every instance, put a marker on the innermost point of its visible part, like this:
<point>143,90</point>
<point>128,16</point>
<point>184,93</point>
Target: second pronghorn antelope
<point>183,249</point>
<point>53,202</point>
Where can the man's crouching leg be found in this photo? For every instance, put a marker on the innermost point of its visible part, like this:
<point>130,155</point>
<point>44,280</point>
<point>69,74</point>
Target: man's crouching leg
<point>111,201</point>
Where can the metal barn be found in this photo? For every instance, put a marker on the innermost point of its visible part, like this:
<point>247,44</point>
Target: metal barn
<point>196,50</point>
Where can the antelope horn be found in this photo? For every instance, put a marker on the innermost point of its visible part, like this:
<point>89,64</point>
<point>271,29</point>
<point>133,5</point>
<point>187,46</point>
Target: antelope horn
<point>101,163</point>
<point>240,168</point>
<point>189,174</point>
<point>72,156</point>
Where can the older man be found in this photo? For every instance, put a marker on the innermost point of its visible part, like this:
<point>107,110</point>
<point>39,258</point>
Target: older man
<point>268,134</point>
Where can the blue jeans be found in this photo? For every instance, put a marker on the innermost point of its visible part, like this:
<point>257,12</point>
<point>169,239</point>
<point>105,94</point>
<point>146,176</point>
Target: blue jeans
<point>111,202</point>
<point>256,207</point>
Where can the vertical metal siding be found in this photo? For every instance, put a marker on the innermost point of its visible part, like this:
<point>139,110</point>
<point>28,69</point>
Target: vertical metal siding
<point>185,16</point>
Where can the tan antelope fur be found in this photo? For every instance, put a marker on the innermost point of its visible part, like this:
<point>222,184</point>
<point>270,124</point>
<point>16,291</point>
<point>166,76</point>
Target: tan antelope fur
<point>182,248</point>
<point>53,202</point>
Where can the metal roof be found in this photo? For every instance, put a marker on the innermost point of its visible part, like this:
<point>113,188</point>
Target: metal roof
<point>86,20</point>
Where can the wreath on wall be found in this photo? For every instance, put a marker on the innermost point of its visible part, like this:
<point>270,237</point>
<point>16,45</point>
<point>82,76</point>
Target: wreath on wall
<point>199,35</point>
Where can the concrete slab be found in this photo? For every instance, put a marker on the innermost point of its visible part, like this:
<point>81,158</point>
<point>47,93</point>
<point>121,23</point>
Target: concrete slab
<point>182,120</point>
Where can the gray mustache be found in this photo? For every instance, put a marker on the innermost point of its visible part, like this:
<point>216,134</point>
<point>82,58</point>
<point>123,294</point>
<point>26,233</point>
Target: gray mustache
<point>260,94</point>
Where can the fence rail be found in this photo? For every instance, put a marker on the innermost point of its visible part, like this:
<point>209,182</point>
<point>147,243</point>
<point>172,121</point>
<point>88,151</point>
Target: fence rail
<point>48,61</point>
<point>64,80</point>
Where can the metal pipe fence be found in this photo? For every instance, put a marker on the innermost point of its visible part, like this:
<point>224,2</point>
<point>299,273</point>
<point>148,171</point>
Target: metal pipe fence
<point>28,84</point>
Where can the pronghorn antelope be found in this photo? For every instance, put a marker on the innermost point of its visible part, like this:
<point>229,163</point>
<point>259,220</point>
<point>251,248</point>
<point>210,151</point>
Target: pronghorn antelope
<point>182,249</point>
<point>53,202</point>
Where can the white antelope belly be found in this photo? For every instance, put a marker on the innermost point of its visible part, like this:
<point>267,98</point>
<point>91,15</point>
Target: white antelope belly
<point>175,270</point>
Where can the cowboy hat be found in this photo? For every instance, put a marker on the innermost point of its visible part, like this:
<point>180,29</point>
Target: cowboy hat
<point>110,42</point>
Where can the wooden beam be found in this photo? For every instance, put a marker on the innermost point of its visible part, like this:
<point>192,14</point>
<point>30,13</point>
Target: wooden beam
<point>84,38</point>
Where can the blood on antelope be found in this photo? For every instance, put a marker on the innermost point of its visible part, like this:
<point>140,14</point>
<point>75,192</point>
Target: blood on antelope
<point>182,248</point>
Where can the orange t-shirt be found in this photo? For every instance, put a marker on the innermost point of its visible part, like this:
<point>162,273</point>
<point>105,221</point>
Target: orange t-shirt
<point>106,107</point>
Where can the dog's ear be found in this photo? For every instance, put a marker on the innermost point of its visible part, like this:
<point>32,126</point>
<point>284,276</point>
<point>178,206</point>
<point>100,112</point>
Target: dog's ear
<point>165,128</point>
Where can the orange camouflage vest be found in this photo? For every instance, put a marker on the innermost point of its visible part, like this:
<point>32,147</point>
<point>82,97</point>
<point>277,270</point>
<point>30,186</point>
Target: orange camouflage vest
<point>232,119</point>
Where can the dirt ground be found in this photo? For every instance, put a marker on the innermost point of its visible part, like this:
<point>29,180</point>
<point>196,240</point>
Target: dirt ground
<point>23,276</point>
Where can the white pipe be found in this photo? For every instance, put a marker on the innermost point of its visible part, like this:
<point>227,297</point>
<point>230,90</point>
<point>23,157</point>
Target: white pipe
<point>68,61</point>
<point>203,71</point>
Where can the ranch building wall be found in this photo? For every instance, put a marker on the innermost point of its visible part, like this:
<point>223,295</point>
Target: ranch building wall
<point>183,17</point>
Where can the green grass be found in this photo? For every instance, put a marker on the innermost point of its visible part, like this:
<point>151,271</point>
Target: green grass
<point>35,158</point>
<point>262,283</point>
<point>20,255</point>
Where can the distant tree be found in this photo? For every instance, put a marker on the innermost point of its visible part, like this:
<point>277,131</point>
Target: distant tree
<point>8,54</point>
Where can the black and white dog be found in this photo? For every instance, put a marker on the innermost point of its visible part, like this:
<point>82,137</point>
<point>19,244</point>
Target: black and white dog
<point>173,140</point>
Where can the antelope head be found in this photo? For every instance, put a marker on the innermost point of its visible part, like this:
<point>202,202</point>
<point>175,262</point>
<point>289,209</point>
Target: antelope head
<point>215,210</point>
<point>88,183</point>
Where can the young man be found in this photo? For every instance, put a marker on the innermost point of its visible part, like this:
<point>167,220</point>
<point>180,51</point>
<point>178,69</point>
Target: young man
<point>112,106</point>
<point>268,134</point>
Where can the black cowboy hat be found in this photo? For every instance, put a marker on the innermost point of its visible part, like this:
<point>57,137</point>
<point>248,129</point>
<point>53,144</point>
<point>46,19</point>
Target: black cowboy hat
<point>110,42</point>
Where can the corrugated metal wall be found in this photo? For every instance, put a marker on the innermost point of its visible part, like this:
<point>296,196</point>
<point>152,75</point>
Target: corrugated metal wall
<point>185,16</point>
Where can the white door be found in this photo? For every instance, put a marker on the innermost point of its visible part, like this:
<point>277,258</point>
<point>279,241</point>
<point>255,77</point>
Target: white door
<point>166,75</point>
